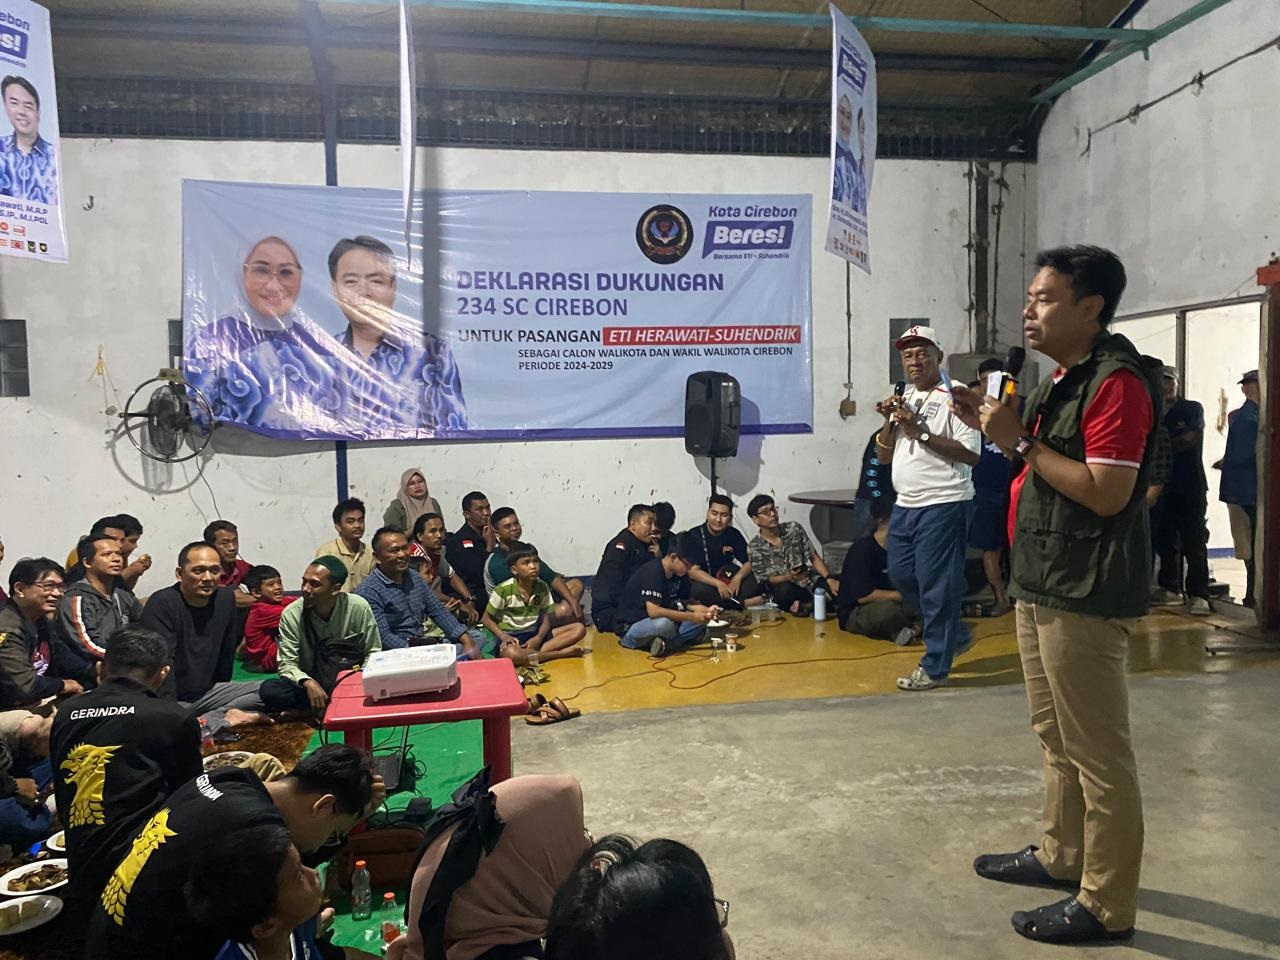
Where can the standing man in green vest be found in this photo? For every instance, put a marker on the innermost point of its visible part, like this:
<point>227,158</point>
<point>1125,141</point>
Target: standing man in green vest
<point>1081,562</point>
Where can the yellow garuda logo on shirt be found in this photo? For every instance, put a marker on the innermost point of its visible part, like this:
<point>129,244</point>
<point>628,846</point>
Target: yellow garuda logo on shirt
<point>116,892</point>
<point>86,768</point>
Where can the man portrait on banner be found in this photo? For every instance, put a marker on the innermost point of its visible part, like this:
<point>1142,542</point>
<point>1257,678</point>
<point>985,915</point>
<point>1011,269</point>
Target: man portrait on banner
<point>266,366</point>
<point>400,381</point>
<point>848,182</point>
<point>28,170</point>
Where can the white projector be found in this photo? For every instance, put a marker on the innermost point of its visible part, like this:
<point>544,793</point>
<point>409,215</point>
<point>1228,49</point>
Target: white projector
<point>397,673</point>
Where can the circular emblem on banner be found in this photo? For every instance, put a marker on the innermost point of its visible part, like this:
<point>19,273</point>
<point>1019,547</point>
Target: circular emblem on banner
<point>664,233</point>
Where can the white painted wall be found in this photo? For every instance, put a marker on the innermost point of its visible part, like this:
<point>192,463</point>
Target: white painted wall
<point>63,467</point>
<point>1182,194</point>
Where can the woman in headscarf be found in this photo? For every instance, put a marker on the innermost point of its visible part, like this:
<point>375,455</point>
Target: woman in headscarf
<point>268,367</point>
<point>489,870</point>
<point>413,500</point>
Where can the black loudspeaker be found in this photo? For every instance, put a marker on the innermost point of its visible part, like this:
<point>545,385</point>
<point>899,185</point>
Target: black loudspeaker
<point>712,413</point>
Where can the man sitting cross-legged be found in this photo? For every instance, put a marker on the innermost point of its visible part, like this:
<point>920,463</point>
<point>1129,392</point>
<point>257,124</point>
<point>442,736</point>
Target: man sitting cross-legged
<point>325,635</point>
<point>426,543</point>
<point>519,611</point>
<point>96,606</point>
<point>117,753</point>
<point>469,545</point>
<point>652,614</point>
<point>507,525</point>
<point>721,571</point>
<point>197,619</point>
<point>621,557</point>
<point>402,602</point>
<point>783,556</point>
<point>868,603</point>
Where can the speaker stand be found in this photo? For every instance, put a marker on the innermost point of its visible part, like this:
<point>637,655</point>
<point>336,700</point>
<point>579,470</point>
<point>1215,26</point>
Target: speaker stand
<point>713,476</point>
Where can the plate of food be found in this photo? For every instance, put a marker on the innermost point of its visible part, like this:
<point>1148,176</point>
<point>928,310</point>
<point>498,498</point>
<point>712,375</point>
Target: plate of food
<point>228,758</point>
<point>57,843</point>
<point>27,913</point>
<point>39,876</point>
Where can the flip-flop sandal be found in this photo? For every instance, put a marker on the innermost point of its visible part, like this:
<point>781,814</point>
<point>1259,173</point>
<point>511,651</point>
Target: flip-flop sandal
<point>536,703</point>
<point>553,712</point>
<point>560,706</point>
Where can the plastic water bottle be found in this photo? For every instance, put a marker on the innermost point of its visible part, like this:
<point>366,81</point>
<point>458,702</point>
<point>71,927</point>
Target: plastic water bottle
<point>819,604</point>
<point>389,919</point>
<point>361,892</point>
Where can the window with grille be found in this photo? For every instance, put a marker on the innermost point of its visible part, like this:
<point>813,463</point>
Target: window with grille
<point>14,371</point>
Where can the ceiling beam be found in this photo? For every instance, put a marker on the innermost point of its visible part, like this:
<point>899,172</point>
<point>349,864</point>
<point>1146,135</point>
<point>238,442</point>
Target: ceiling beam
<point>1112,57</point>
<point>285,33</point>
<point>772,18</point>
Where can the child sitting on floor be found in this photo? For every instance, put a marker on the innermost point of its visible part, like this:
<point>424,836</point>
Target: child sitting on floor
<point>519,612</point>
<point>262,628</point>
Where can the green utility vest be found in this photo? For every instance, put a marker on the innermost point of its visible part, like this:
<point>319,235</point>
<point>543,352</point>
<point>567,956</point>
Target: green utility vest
<point>1064,555</point>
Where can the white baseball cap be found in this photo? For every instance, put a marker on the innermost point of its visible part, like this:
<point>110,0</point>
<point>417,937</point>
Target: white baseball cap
<point>917,333</point>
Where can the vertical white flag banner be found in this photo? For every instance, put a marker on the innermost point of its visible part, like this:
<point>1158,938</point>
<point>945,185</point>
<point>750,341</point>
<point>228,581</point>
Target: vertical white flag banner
<point>408,116</point>
<point>853,141</point>
<point>31,223</point>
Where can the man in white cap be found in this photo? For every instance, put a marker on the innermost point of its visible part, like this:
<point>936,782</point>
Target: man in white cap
<point>933,453</point>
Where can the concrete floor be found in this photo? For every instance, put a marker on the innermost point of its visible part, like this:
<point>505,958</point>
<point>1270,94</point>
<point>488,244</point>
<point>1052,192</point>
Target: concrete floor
<point>845,828</point>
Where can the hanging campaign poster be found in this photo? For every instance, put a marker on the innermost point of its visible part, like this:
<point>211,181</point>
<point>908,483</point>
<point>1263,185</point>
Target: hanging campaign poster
<point>30,170</point>
<point>853,141</point>
<point>523,315</point>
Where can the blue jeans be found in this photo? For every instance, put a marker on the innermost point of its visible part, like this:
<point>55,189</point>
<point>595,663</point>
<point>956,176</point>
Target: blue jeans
<point>926,563</point>
<point>19,827</point>
<point>677,635</point>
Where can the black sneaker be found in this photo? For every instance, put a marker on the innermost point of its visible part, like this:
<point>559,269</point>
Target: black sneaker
<point>1066,921</point>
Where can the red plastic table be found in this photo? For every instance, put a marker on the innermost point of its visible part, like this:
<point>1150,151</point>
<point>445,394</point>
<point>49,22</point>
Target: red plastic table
<point>487,690</point>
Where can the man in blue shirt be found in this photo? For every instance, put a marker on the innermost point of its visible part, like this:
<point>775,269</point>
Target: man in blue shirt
<point>401,600</point>
<point>1183,534</point>
<point>402,381</point>
<point>28,170</point>
<point>1239,488</point>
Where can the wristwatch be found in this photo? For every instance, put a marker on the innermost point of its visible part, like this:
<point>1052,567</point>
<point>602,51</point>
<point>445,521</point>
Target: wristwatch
<point>1024,445</point>
<point>925,436</point>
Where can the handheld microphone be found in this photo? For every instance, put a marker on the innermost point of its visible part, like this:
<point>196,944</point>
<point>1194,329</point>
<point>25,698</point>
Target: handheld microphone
<point>900,388</point>
<point>1013,362</point>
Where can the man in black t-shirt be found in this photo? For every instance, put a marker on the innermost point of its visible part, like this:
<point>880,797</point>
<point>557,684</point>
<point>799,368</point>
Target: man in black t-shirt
<point>868,603</point>
<point>142,913</point>
<point>621,557</point>
<point>721,571</point>
<point>468,548</point>
<point>652,613</point>
<point>117,752</point>
<point>198,621</point>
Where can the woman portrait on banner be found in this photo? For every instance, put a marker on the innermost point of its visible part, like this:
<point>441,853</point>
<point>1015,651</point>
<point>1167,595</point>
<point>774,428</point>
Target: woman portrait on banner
<point>267,366</point>
<point>849,185</point>
<point>399,380</point>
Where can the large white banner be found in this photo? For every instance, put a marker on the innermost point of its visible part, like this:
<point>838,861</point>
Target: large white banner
<point>540,315</point>
<point>853,141</point>
<point>30,174</point>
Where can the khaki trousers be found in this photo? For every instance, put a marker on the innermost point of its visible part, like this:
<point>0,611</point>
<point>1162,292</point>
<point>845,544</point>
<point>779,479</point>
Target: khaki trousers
<point>1077,689</point>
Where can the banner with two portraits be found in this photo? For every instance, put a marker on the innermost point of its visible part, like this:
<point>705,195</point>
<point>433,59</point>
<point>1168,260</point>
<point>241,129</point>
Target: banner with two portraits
<point>513,314</point>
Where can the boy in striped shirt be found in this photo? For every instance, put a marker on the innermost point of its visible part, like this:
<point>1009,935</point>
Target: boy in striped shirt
<point>519,611</point>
